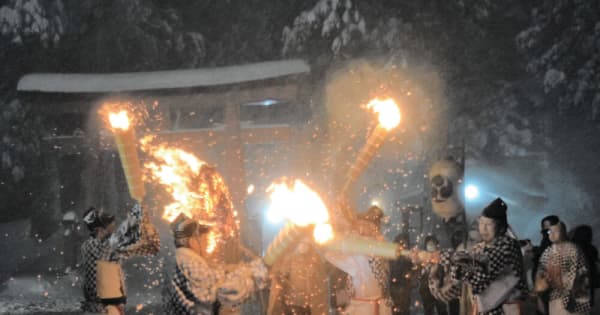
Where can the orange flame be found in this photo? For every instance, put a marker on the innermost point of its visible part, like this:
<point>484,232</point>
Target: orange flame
<point>174,170</point>
<point>389,114</point>
<point>213,238</point>
<point>196,189</point>
<point>302,206</point>
<point>119,120</point>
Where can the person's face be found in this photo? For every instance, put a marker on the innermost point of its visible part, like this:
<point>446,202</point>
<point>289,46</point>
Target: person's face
<point>366,228</point>
<point>555,233</point>
<point>431,246</point>
<point>487,229</point>
<point>303,248</point>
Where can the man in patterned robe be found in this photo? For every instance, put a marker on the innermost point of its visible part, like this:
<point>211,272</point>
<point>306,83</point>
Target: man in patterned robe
<point>563,271</point>
<point>542,298</point>
<point>455,293</point>
<point>494,267</point>
<point>136,236</point>
<point>200,287</point>
<point>431,305</point>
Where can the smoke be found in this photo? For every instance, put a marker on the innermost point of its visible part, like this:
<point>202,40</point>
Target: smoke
<point>532,191</point>
<point>337,133</point>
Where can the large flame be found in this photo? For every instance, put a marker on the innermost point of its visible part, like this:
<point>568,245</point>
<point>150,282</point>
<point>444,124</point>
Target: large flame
<point>302,206</point>
<point>119,120</point>
<point>175,169</point>
<point>196,189</point>
<point>387,109</point>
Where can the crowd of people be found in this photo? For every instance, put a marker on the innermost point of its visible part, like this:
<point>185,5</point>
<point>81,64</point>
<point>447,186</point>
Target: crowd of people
<point>487,271</point>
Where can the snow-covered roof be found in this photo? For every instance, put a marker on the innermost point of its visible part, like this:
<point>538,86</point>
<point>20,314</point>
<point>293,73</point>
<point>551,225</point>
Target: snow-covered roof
<point>172,79</point>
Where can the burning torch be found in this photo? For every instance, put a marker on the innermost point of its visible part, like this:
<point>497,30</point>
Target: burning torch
<point>389,118</point>
<point>127,146</point>
<point>305,211</point>
<point>284,239</point>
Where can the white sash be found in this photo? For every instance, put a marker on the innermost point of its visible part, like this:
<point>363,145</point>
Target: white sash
<point>497,292</point>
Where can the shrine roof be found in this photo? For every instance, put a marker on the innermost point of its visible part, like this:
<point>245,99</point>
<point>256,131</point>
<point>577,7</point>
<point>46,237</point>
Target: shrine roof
<point>156,80</point>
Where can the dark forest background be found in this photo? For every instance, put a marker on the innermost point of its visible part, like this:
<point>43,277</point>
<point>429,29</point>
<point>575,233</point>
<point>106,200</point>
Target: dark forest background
<point>520,78</point>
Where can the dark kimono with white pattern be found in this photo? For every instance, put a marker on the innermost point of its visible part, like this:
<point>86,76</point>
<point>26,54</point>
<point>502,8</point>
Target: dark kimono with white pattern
<point>503,253</point>
<point>198,287</point>
<point>441,285</point>
<point>565,263</point>
<point>136,236</point>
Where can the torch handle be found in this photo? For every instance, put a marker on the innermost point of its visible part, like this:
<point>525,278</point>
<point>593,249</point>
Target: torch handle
<point>287,236</point>
<point>126,145</point>
<point>363,246</point>
<point>359,245</point>
<point>365,156</point>
<point>363,159</point>
<point>420,256</point>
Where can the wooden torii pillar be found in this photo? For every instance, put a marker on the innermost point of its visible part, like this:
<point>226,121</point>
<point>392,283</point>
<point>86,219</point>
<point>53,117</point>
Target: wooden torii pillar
<point>234,165</point>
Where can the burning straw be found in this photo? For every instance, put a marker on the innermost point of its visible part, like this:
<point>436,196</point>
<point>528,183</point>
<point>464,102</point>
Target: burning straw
<point>389,118</point>
<point>305,211</point>
<point>196,190</point>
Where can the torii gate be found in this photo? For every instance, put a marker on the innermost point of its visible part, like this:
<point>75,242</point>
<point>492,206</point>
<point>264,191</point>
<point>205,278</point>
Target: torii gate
<point>228,86</point>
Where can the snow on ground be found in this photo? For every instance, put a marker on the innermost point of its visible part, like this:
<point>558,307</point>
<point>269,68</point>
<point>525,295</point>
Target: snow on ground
<point>31,294</point>
<point>46,294</point>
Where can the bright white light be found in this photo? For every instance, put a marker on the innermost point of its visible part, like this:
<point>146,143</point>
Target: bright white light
<point>471,192</point>
<point>269,102</point>
<point>375,203</point>
<point>274,216</point>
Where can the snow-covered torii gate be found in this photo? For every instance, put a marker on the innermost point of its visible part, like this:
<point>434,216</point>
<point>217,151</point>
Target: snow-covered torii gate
<point>229,87</point>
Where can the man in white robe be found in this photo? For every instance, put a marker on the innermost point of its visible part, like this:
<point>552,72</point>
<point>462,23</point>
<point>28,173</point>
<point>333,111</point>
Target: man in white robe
<point>369,275</point>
